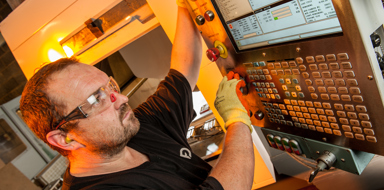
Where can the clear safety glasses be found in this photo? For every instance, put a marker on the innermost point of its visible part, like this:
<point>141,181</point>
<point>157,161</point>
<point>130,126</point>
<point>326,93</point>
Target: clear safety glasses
<point>95,103</point>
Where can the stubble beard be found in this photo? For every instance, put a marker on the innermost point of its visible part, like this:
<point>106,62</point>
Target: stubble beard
<point>120,136</point>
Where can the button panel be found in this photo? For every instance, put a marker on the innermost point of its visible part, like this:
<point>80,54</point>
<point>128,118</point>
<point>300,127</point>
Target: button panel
<point>318,93</point>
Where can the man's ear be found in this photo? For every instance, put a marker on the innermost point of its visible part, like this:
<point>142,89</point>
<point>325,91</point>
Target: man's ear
<point>60,139</point>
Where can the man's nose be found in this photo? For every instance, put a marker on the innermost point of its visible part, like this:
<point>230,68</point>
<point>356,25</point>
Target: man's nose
<point>118,99</point>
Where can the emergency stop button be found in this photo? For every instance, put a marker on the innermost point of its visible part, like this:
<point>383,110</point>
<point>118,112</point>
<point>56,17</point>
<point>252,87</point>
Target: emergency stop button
<point>213,54</point>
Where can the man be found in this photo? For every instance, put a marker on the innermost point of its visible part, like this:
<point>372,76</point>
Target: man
<point>78,111</point>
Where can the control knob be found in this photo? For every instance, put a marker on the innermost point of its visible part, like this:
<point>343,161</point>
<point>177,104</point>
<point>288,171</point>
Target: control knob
<point>209,15</point>
<point>259,115</point>
<point>200,20</point>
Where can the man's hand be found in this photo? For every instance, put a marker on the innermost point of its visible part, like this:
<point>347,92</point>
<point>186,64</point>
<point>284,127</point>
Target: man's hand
<point>229,101</point>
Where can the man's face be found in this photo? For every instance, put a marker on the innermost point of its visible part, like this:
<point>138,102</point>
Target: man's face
<point>105,133</point>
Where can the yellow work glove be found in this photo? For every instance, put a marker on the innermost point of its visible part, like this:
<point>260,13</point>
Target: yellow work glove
<point>181,3</point>
<point>230,103</point>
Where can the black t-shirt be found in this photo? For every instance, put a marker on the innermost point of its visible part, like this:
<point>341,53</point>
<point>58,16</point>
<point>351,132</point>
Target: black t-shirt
<point>164,121</point>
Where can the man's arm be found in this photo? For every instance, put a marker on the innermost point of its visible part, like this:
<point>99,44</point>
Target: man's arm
<point>235,167</point>
<point>186,51</point>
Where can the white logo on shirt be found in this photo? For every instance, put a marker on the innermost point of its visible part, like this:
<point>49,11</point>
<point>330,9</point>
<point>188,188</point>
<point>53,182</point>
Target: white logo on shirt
<point>185,153</point>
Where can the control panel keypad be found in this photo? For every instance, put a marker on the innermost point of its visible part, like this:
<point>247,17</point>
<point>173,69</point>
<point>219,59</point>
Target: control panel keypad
<point>326,78</point>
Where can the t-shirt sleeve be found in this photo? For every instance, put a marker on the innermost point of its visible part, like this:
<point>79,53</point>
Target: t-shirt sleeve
<point>210,183</point>
<point>170,108</point>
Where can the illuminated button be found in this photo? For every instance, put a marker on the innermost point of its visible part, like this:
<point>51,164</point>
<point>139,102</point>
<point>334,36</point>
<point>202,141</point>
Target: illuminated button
<point>287,101</point>
<point>275,105</point>
<point>340,82</point>
<point>364,116</point>
<point>320,58</point>
<point>301,120</point>
<point>320,129</point>
<point>296,71</point>
<point>307,115</point>
<point>354,122</point>
<point>314,116</point>
<point>294,102</point>
<point>343,90</point>
<point>334,66</point>
<point>292,113</point>
<point>292,64</point>
<point>338,106</point>
<point>327,105</point>
<point>257,77</point>
<point>308,82</point>
<point>311,89</point>
<point>262,77</point>
<point>332,119</point>
<point>271,65</point>
<point>346,65</point>
<point>323,118</point>
<point>349,107</point>
<point>309,121</point>
<point>284,64</point>
<point>346,98</point>
<point>266,90</point>
<point>337,74</point>
<point>326,74</point>
<point>313,67</point>
<point>296,108</point>
<point>320,111</point>
<point>346,128</point>
<point>369,132</point>
<point>341,114</point>
<point>259,71</point>
<point>268,77</point>
<point>329,112</point>
<point>352,115</point>
<point>309,103</point>
<point>324,96</point>
<point>352,82</point>
<point>357,130</point>
<point>258,84</point>
<point>322,89</point>
<point>277,65</point>
<point>299,60</point>
<point>316,74</point>
<point>323,66</point>
<point>284,112</point>
<point>267,85</point>
<point>328,130</point>
<point>342,56</point>
<point>335,97</point>
<point>337,132</point>
<point>319,82</point>
<point>295,119</point>
<point>329,82</point>
<point>295,147</point>
<point>371,139</point>
<point>268,95</point>
<point>355,90</point>
<point>317,122</point>
<point>349,74</point>
<point>344,121</point>
<point>335,126</point>
<point>288,81</point>
<point>265,71</point>
<point>314,96</point>
<point>280,72</point>
<point>318,104</point>
<point>310,59</point>
<point>325,124</point>
<point>312,127</point>
<point>294,94</point>
<point>302,67</point>
<point>301,103</point>
<point>273,72</point>
<point>298,88</point>
<point>366,124</point>
<point>361,108</point>
<point>304,109</point>
<point>357,98</point>
<point>312,110</point>
<point>269,90</point>
<point>332,90</point>
<point>331,57</point>
<point>359,137</point>
<point>305,75</point>
<point>348,135</point>
<point>289,107</point>
<point>288,71</point>
<point>286,145</point>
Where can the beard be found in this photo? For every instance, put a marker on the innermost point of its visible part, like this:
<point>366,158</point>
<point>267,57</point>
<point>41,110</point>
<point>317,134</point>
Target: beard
<point>114,140</point>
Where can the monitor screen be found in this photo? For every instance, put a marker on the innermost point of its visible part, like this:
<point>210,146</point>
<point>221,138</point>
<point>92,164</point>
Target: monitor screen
<point>259,23</point>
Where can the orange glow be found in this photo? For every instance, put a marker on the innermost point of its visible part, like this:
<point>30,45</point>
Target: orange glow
<point>68,51</point>
<point>53,55</point>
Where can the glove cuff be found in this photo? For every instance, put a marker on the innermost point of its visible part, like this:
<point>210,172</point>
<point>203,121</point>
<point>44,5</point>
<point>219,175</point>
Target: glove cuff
<point>246,121</point>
